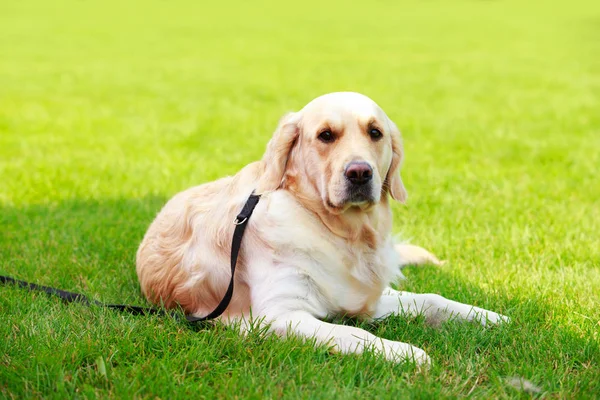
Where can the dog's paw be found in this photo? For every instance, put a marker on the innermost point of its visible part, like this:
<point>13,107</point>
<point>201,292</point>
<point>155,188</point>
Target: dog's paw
<point>488,318</point>
<point>500,319</point>
<point>399,352</point>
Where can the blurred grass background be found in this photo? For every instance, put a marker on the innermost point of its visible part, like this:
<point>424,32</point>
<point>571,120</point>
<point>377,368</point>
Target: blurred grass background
<point>109,108</point>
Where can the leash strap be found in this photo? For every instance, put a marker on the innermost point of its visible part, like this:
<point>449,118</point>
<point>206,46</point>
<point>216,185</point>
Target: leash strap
<point>71,297</point>
<point>240,222</point>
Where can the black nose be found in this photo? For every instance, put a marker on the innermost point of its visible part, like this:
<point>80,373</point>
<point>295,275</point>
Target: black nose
<point>359,172</point>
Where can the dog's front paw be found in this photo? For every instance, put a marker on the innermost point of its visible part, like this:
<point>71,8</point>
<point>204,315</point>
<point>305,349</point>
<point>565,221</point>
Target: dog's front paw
<point>399,352</point>
<point>500,319</point>
<point>487,318</point>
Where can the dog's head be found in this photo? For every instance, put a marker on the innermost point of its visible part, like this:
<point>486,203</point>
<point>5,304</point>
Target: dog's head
<point>341,148</point>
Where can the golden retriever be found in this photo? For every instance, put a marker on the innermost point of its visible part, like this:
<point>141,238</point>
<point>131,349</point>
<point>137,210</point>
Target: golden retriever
<point>319,243</point>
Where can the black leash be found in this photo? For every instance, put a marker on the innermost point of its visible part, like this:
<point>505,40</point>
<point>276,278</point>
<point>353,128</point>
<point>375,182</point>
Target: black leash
<point>71,297</point>
<point>240,222</point>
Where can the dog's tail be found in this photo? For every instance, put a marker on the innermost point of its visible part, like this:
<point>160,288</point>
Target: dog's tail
<point>415,255</point>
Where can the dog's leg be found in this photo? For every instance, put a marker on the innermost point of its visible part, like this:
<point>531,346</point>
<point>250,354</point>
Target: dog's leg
<point>415,255</point>
<point>434,307</point>
<point>345,339</point>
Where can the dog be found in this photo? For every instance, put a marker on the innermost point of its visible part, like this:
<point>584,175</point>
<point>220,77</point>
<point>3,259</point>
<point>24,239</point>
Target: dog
<point>319,243</point>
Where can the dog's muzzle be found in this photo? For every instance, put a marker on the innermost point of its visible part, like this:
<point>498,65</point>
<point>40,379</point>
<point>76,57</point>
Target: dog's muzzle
<point>359,182</point>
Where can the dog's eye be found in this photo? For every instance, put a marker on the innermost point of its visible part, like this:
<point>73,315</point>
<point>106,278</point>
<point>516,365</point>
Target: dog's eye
<point>326,136</point>
<point>375,133</point>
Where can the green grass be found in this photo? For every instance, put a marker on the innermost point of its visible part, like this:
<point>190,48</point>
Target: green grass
<point>107,109</point>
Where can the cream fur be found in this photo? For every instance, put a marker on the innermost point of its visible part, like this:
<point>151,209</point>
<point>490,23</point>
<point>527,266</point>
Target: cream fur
<point>310,252</point>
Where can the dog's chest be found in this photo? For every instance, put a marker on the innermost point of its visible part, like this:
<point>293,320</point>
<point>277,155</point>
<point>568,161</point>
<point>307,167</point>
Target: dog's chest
<point>341,277</point>
<point>361,276</point>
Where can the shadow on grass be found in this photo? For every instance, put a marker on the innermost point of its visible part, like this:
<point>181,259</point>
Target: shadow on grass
<point>89,247</point>
<point>78,245</point>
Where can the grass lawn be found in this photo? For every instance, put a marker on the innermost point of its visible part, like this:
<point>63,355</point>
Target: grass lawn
<point>108,108</point>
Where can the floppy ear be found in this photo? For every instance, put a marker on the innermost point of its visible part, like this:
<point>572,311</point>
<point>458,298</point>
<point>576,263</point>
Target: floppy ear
<point>275,158</point>
<point>393,181</point>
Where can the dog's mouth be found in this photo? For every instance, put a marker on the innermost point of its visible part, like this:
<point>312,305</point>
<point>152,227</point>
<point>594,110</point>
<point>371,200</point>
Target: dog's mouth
<point>356,196</point>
